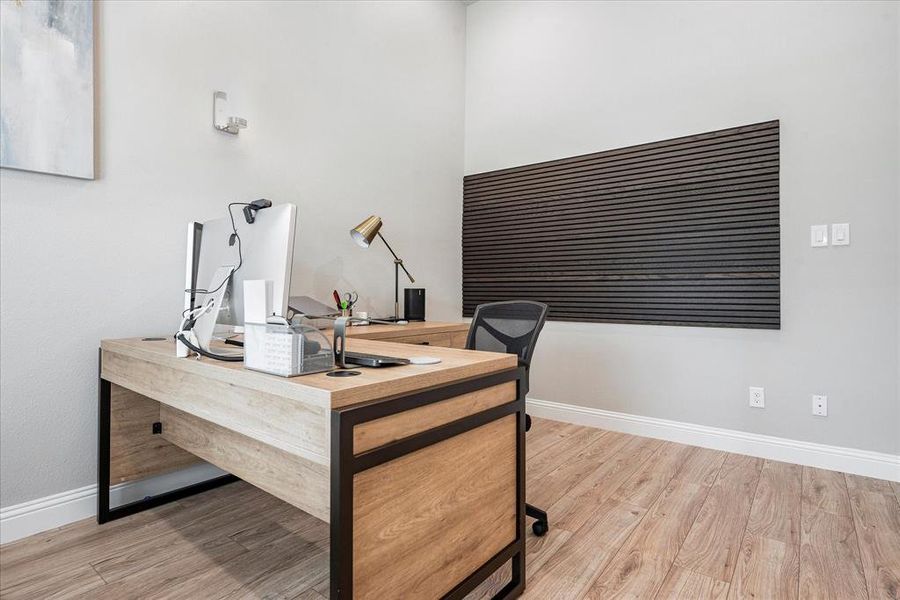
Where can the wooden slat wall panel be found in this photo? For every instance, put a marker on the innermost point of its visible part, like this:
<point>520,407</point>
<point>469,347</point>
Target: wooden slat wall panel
<point>678,232</point>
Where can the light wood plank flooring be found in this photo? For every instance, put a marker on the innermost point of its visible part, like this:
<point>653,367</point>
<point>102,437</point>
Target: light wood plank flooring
<point>630,517</point>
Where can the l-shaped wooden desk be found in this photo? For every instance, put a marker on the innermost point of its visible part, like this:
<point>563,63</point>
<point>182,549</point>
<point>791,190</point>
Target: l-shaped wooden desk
<point>418,469</point>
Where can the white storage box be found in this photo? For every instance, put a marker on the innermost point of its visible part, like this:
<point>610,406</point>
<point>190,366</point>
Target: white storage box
<point>286,350</point>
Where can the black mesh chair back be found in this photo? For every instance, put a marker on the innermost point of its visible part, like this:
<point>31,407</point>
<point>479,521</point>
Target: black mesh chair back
<point>511,327</point>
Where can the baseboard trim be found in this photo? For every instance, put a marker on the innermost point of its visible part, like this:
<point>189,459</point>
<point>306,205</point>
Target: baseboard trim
<point>56,510</point>
<point>832,458</point>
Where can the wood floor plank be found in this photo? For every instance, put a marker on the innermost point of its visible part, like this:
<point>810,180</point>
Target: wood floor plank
<point>309,595</point>
<point>576,507</point>
<point>775,513</point>
<point>876,517</point>
<point>701,466</point>
<point>544,433</point>
<point>825,490</point>
<point>282,569</point>
<point>64,543</point>
<point>183,541</point>
<point>290,522</point>
<point>70,582</point>
<point>538,550</point>
<point>170,572</point>
<point>895,485</point>
<point>644,487</point>
<point>858,483</point>
<point>88,542</point>
<point>830,565</point>
<point>557,483</point>
<point>766,568</point>
<point>569,571</point>
<point>681,584</point>
<point>712,545</point>
<point>639,568</point>
<point>768,565</point>
<point>560,453</point>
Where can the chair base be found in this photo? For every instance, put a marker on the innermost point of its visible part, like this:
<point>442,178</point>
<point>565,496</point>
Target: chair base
<point>541,526</point>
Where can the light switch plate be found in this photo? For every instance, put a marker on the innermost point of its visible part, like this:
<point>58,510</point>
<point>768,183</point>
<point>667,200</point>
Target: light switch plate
<point>840,234</point>
<point>818,235</point>
<point>820,406</point>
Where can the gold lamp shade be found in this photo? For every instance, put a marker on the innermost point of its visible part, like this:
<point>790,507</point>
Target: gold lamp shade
<point>365,232</point>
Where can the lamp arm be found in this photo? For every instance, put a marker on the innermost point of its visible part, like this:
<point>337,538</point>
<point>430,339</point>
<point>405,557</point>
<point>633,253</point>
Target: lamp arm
<point>398,260</point>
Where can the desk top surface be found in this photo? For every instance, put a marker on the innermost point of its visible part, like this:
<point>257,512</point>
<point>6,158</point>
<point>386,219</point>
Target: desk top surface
<point>333,392</point>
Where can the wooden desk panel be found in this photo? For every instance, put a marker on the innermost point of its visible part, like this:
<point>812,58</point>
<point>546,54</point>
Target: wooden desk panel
<point>319,390</point>
<point>424,521</point>
<point>136,452</point>
<point>296,427</point>
<point>379,432</point>
<point>253,461</point>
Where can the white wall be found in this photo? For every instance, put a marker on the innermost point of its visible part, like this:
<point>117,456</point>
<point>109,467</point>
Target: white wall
<point>353,108</point>
<point>546,80</point>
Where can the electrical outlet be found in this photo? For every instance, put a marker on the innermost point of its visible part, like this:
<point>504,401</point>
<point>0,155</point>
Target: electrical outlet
<point>820,406</point>
<point>757,397</point>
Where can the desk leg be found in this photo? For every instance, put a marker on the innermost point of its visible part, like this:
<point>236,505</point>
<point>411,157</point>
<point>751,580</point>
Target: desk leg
<point>355,487</point>
<point>104,512</point>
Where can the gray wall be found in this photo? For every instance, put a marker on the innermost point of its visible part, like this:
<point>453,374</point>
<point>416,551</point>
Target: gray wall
<point>552,79</point>
<point>354,109</point>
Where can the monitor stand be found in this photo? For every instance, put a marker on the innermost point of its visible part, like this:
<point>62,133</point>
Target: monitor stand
<point>206,323</point>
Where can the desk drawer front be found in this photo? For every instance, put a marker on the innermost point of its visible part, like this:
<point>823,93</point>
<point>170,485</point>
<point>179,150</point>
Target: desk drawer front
<point>379,432</point>
<point>423,522</point>
<point>443,340</point>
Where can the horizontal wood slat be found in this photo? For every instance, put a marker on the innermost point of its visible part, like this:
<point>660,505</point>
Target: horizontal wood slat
<point>678,232</point>
<point>714,137</point>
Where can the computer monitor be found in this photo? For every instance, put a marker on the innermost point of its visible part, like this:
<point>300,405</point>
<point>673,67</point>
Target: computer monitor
<point>266,252</point>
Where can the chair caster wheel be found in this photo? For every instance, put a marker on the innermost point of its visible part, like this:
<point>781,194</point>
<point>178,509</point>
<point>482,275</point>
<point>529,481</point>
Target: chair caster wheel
<point>540,528</point>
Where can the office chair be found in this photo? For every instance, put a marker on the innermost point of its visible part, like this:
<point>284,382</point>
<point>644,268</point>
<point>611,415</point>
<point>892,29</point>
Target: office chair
<point>512,327</point>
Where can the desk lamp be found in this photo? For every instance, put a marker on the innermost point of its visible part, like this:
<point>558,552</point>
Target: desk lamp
<point>363,234</point>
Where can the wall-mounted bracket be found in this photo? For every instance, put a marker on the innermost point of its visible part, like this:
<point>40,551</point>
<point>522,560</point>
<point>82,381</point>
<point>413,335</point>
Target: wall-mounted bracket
<point>221,122</point>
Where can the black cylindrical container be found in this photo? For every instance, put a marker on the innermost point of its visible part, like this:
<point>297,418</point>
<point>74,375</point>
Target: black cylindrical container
<point>414,304</point>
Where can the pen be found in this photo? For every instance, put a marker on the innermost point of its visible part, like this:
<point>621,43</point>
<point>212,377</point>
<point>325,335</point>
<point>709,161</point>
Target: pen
<point>337,299</point>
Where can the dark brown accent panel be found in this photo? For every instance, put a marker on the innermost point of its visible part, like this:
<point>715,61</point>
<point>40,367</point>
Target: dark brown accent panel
<point>679,232</point>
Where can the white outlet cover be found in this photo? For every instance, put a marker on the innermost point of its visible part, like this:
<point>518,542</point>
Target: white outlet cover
<point>757,397</point>
<point>820,406</point>
<point>818,235</point>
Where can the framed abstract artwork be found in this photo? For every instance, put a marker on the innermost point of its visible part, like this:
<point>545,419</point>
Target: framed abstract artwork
<point>47,86</point>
